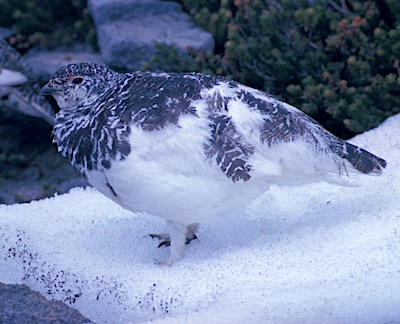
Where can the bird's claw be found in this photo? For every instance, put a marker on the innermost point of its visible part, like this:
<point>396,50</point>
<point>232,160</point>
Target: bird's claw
<point>165,239</point>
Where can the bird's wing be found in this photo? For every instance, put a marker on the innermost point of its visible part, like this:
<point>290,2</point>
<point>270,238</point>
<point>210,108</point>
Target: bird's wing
<point>289,124</point>
<point>276,124</point>
<point>226,145</point>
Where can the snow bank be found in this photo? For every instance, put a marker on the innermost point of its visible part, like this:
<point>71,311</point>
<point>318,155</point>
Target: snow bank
<point>317,253</point>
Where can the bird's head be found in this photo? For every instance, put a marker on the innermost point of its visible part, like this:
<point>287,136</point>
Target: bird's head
<point>79,85</point>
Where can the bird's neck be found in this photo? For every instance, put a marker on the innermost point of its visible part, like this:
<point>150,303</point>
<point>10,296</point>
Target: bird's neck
<point>91,137</point>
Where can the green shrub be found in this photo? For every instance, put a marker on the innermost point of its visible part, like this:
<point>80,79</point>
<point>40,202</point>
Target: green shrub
<point>338,61</point>
<point>49,22</point>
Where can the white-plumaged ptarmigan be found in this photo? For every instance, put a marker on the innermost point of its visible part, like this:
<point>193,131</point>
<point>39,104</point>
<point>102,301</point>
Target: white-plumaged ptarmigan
<point>189,147</point>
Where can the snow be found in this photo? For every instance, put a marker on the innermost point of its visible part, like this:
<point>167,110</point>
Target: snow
<point>308,254</point>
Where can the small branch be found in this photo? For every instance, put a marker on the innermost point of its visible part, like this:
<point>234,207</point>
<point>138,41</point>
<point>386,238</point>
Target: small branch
<point>253,67</point>
<point>396,65</point>
<point>341,8</point>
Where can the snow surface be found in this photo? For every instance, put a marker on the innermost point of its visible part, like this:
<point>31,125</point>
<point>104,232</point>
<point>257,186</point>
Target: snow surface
<point>316,253</point>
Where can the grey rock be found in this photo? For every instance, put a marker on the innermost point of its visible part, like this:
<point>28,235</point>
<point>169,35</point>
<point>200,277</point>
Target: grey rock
<point>19,305</point>
<point>30,166</point>
<point>6,32</point>
<point>128,30</point>
<point>44,63</point>
<point>11,133</point>
<point>21,92</point>
<point>68,184</point>
<point>32,173</point>
<point>13,192</point>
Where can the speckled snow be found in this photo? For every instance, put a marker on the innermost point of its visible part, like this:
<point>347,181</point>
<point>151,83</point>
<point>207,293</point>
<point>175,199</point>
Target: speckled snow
<point>312,254</point>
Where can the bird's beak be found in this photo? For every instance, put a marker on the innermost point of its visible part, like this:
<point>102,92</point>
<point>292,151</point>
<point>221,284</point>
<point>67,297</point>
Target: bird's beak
<point>47,90</point>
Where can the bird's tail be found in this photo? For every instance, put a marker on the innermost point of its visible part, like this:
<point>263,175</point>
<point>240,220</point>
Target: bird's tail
<point>360,159</point>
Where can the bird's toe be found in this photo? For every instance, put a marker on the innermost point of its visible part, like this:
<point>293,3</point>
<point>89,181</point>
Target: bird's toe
<point>191,238</point>
<point>164,239</point>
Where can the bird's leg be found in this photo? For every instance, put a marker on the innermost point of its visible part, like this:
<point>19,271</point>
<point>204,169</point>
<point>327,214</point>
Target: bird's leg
<point>191,232</point>
<point>177,233</point>
<point>165,239</point>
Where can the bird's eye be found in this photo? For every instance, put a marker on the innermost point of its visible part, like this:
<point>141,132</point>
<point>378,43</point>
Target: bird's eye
<point>77,80</point>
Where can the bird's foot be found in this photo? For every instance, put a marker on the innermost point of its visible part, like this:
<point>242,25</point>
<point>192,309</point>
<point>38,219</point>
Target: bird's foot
<point>176,239</point>
<point>165,239</point>
<point>167,263</point>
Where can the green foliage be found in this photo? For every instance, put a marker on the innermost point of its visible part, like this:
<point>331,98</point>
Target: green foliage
<point>49,22</point>
<point>338,63</point>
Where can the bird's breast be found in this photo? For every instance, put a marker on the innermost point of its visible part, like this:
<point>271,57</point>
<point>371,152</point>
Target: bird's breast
<point>91,144</point>
<point>169,174</point>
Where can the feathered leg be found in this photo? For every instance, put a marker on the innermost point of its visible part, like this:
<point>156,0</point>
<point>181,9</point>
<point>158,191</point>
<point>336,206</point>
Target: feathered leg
<point>178,236</point>
<point>165,239</point>
<point>177,233</point>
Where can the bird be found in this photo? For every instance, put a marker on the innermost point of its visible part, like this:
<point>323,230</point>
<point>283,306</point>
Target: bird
<point>19,89</point>
<point>189,147</point>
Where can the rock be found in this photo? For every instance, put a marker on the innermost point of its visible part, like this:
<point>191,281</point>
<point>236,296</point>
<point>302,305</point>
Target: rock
<point>10,135</point>
<point>15,193</point>
<point>44,63</point>
<point>68,184</point>
<point>6,32</point>
<point>19,304</point>
<point>30,166</point>
<point>127,30</point>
